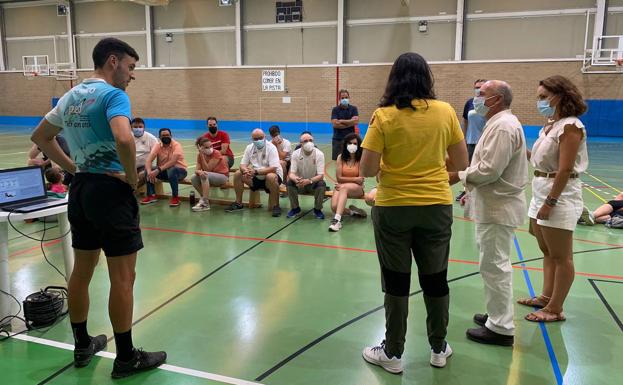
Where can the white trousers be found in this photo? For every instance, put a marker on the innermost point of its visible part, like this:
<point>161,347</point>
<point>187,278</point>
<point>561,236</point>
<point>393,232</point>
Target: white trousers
<point>494,242</point>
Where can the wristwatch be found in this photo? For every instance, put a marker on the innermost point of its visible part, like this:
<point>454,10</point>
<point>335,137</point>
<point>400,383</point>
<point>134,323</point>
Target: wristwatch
<point>551,201</point>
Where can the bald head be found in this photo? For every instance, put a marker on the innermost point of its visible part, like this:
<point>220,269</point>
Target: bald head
<point>499,87</point>
<point>257,134</point>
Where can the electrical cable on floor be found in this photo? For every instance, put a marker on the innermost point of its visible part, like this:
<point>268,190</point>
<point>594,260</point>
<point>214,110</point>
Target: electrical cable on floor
<point>43,308</point>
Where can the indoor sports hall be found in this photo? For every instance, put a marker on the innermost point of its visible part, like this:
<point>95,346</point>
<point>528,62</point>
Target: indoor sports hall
<point>244,297</point>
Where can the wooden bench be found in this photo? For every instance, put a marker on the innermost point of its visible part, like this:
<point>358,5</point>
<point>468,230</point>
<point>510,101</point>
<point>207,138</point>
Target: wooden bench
<point>229,185</point>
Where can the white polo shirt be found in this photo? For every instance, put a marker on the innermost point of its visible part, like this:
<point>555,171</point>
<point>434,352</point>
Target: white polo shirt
<point>307,166</point>
<point>266,157</point>
<point>144,144</point>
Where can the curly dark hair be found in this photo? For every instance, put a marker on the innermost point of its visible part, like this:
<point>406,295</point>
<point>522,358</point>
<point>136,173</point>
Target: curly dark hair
<point>345,154</point>
<point>410,78</point>
<point>571,101</point>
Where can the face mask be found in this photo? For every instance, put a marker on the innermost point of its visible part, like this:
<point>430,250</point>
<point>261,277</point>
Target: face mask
<point>138,131</point>
<point>476,91</point>
<point>344,102</point>
<point>479,106</point>
<point>308,146</point>
<point>207,151</point>
<point>212,130</point>
<point>545,109</point>
<point>352,148</point>
<point>259,143</point>
<point>166,140</point>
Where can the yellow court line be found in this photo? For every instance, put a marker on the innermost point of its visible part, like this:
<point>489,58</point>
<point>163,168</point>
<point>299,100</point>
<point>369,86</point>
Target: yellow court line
<point>605,184</point>
<point>594,193</point>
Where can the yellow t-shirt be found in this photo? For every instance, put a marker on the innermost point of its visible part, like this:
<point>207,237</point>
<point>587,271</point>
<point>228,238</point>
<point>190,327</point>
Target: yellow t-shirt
<point>413,148</point>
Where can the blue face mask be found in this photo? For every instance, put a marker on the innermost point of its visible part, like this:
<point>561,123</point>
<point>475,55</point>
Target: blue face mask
<point>344,102</point>
<point>476,91</point>
<point>479,106</point>
<point>259,143</point>
<point>138,131</point>
<point>545,109</point>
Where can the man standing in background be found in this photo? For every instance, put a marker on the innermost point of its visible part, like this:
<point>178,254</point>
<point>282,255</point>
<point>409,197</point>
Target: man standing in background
<point>344,118</point>
<point>473,125</point>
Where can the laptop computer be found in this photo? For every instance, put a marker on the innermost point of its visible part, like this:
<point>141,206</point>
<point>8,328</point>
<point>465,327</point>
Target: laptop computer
<point>22,190</point>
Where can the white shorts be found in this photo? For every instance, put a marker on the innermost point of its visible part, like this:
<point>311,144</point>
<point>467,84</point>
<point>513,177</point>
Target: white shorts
<point>567,211</point>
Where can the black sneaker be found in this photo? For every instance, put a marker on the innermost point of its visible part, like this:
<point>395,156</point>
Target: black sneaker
<point>83,356</point>
<point>461,195</point>
<point>480,319</point>
<point>276,211</point>
<point>140,362</point>
<point>234,207</point>
<point>485,336</point>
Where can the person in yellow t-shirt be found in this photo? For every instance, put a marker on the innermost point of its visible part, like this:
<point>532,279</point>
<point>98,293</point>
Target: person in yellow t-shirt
<point>407,141</point>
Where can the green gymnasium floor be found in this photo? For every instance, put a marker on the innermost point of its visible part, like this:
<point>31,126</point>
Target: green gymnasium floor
<point>239,298</point>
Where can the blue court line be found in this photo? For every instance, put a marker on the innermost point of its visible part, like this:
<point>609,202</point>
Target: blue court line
<point>548,342</point>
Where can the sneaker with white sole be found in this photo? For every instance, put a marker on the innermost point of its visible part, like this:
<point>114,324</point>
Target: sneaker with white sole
<point>335,225</point>
<point>587,218</point>
<point>357,212</point>
<point>438,360</point>
<point>376,355</point>
<point>201,206</point>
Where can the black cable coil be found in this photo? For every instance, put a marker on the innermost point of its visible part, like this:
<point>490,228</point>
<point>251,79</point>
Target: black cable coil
<point>44,307</point>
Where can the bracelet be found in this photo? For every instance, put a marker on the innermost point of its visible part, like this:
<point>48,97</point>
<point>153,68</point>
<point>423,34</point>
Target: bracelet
<point>551,201</point>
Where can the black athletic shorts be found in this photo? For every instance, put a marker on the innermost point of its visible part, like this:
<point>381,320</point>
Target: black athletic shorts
<point>260,184</point>
<point>103,213</point>
<point>616,205</point>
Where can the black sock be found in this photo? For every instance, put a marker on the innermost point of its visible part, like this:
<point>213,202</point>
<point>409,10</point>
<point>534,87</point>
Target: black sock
<point>125,348</point>
<point>442,349</point>
<point>81,336</point>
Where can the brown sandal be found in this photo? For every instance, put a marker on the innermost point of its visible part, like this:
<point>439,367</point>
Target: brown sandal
<point>544,315</point>
<point>538,302</point>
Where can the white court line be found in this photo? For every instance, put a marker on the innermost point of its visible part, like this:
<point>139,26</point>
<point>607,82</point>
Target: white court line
<point>15,153</point>
<point>167,367</point>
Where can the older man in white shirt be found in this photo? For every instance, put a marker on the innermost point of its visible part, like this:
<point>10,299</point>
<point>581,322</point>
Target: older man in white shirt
<point>496,180</point>
<point>260,170</point>
<point>306,176</point>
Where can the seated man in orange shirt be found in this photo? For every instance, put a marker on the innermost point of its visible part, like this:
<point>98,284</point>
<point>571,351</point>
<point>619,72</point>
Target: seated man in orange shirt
<point>171,167</point>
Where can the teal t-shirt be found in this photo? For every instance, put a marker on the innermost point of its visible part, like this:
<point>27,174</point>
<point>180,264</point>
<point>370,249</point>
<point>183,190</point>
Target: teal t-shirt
<point>84,114</point>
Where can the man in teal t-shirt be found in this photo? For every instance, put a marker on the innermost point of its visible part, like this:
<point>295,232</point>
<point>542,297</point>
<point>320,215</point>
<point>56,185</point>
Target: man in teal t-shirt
<point>95,119</point>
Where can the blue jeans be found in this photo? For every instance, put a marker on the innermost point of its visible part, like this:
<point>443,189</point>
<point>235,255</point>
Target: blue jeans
<point>173,175</point>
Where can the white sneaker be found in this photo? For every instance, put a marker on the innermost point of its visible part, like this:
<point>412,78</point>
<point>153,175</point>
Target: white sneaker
<point>335,225</point>
<point>201,206</point>
<point>438,360</point>
<point>376,356</point>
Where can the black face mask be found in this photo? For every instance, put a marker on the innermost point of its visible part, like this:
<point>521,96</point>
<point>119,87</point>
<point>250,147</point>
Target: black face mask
<point>212,130</point>
<point>166,140</point>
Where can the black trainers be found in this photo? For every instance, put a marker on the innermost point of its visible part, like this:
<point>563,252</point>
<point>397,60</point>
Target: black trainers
<point>83,356</point>
<point>461,195</point>
<point>276,211</point>
<point>140,362</point>
<point>485,336</point>
<point>480,319</point>
<point>234,207</point>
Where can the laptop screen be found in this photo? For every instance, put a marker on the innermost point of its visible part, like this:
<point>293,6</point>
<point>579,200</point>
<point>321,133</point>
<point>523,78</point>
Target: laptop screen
<point>21,185</point>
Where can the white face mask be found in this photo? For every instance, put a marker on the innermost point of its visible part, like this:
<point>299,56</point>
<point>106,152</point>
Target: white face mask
<point>207,151</point>
<point>308,146</point>
<point>352,148</point>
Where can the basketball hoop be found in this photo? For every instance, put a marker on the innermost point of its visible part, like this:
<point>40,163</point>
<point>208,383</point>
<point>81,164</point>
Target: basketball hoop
<point>31,75</point>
